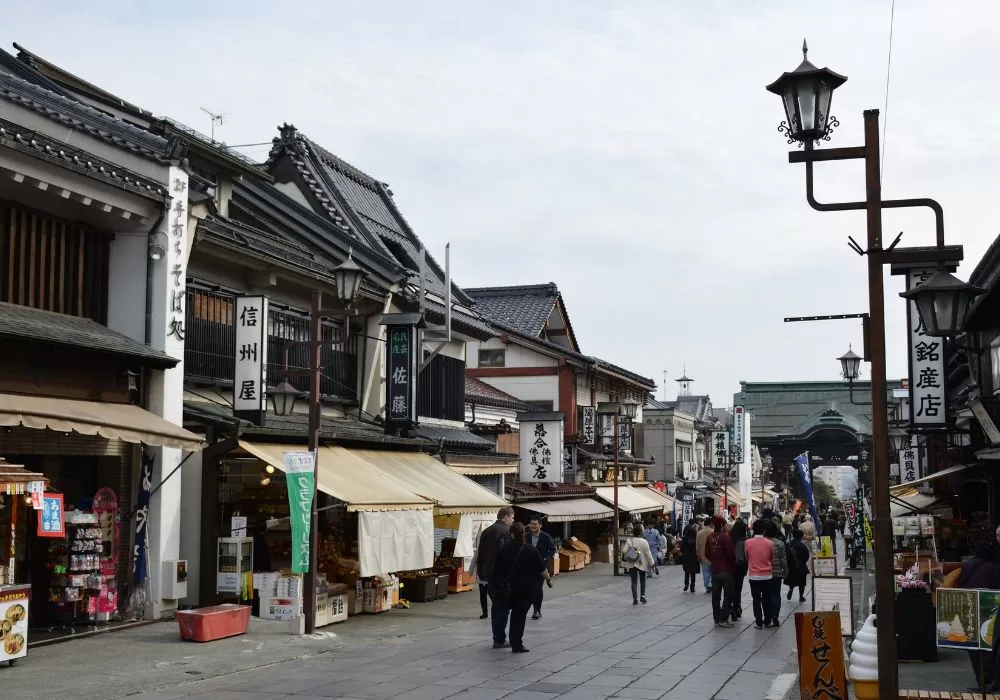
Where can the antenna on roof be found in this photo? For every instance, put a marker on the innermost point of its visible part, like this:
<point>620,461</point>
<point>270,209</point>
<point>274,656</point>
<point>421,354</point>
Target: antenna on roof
<point>215,118</point>
<point>423,276</point>
<point>447,282</point>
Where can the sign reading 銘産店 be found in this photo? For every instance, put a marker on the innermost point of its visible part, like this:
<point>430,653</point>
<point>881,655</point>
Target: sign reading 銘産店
<point>402,351</point>
<point>541,447</point>
<point>928,407</point>
<point>250,373</point>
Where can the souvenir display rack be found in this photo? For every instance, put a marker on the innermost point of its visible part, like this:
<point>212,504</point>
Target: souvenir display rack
<point>76,574</point>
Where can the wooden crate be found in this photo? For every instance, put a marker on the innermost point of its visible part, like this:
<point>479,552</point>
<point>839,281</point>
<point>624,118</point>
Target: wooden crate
<point>571,560</point>
<point>578,546</point>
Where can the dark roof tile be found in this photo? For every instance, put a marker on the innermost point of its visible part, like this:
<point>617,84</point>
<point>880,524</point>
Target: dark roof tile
<point>524,308</point>
<point>36,325</point>
<point>478,391</point>
<point>454,437</point>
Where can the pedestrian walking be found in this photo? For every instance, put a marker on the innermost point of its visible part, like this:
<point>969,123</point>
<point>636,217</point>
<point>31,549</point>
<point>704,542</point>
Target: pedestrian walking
<point>546,546</point>
<point>706,567</point>
<point>518,571</point>
<point>759,551</point>
<point>787,521</point>
<point>738,534</point>
<point>689,555</point>
<point>830,529</point>
<point>722,557</point>
<point>808,528</point>
<point>653,538</point>
<point>483,583</point>
<point>638,560</point>
<point>779,569</point>
<point>491,541</point>
<point>797,575</point>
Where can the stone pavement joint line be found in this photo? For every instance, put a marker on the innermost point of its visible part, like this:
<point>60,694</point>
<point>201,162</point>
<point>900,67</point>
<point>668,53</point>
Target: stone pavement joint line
<point>591,645</point>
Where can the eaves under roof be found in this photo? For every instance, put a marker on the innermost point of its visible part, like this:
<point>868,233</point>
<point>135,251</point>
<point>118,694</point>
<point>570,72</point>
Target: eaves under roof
<point>77,115</point>
<point>484,394</point>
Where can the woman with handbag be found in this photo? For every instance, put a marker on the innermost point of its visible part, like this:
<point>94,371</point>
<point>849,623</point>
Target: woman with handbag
<point>637,559</point>
<point>518,571</point>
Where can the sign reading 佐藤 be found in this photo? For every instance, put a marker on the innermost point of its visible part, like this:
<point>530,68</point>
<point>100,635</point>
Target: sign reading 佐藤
<point>50,516</point>
<point>402,351</point>
<point>250,374</point>
<point>541,447</point>
<point>928,405</point>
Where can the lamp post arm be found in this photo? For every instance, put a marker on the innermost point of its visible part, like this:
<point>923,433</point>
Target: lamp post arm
<point>810,156</point>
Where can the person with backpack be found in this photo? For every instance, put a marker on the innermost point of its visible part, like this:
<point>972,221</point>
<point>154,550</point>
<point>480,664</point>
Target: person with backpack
<point>779,569</point>
<point>638,560</point>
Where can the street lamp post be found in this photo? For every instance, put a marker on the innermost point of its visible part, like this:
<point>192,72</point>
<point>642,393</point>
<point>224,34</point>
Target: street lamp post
<point>806,95</point>
<point>348,277</point>
<point>628,409</point>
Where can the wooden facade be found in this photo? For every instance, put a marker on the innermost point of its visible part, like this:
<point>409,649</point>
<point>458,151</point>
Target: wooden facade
<point>52,264</point>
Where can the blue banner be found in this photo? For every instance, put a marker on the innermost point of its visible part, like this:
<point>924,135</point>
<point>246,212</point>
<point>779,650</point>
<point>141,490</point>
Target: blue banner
<point>141,517</point>
<point>802,462</point>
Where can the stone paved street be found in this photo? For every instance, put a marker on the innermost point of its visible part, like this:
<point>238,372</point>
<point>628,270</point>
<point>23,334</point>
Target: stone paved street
<point>589,646</point>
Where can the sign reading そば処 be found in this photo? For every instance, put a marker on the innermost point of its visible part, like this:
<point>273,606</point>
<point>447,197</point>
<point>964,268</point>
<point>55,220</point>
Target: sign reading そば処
<point>250,373</point>
<point>541,447</point>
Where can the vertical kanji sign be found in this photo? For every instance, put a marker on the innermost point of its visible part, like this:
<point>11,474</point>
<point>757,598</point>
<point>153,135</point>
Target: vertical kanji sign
<point>588,425</point>
<point>928,405</point>
<point>250,373</point>
<point>720,451</point>
<point>541,447</point>
<point>401,370</point>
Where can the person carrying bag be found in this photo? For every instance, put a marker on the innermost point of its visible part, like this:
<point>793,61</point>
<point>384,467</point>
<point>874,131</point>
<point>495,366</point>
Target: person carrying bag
<point>637,560</point>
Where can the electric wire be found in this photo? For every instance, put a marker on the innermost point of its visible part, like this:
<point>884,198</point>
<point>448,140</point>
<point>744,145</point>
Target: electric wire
<point>888,74</point>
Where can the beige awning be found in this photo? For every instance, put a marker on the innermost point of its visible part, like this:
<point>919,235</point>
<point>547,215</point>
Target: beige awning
<point>471,467</point>
<point>630,499</point>
<point>120,421</point>
<point>898,488</point>
<point>668,501</point>
<point>733,496</point>
<point>347,478</point>
<point>569,509</point>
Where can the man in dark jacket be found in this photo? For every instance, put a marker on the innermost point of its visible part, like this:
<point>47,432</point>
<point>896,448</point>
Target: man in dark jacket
<point>490,542</point>
<point>830,529</point>
<point>546,546</point>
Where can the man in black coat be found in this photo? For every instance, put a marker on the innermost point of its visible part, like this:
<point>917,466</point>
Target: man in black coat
<point>490,542</point>
<point>546,546</point>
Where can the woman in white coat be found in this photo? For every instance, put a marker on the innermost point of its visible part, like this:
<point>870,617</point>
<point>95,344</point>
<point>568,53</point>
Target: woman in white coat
<point>638,559</point>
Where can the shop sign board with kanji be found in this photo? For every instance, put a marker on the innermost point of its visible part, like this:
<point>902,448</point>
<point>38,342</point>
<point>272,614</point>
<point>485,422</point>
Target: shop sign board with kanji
<point>402,351</point>
<point>624,435</point>
<point>909,462</point>
<point>250,359</point>
<point>739,434</point>
<point>928,398</point>
<point>720,450</point>
<point>541,447</point>
<point>50,516</point>
<point>588,425</point>
<point>820,647</point>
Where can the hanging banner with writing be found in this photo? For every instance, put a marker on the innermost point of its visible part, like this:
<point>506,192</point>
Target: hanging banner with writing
<point>720,451</point>
<point>928,405</point>
<point>50,516</point>
<point>588,425</point>
<point>909,462</point>
<point>541,447</point>
<point>402,351</point>
<point>739,429</point>
<point>250,374</point>
<point>624,435</point>
<point>300,475</point>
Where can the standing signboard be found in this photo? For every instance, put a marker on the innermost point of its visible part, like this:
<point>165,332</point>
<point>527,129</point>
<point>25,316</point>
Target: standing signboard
<point>965,618</point>
<point>541,447</point>
<point>928,404</point>
<point>820,647</point>
<point>250,369</point>
<point>687,508</point>
<point>14,603</point>
<point>402,352</point>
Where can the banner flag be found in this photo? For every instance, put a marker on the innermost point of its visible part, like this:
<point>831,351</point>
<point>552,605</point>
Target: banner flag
<point>802,462</point>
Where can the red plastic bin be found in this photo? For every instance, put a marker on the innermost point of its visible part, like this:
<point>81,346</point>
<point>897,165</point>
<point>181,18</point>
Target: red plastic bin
<point>214,622</point>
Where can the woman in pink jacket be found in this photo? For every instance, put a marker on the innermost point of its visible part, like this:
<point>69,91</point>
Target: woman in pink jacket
<point>759,551</point>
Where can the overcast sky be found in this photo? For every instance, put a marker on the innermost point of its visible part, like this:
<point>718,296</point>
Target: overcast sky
<point>625,150</point>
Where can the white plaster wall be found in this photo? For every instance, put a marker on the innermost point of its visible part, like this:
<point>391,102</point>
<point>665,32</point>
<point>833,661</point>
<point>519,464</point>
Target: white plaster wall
<point>545,388</point>
<point>190,536</point>
<point>127,284</point>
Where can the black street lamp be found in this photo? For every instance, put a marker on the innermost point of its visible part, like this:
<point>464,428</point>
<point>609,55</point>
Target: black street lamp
<point>943,302</point>
<point>806,95</point>
<point>850,369</point>
<point>347,278</point>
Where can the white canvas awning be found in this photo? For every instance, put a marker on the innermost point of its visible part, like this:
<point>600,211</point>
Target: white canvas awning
<point>630,499</point>
<point>930,477</point>
<point>570,509</point>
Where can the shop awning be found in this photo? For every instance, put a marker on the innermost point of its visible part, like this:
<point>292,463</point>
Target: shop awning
<point>471,467</point>
<point>733,497</point>
<point>431,479</point>
<point>347,478</point>
<point>924,479</point>
<point>109,420</point>
<point>570,509</point>
<point>911,502</point>
<point>668,502</point>
<point>629,499</point>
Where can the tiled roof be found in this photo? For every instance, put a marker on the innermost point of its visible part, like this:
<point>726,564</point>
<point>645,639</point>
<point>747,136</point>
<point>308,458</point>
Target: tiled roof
<point>478,391</point>
<point>528,491</point>
<point>454,437</point>
<point>41,146</point>
<point>524,308</point>
<point>297,425</point>
<point>78,115</point>
<point>24,323</point>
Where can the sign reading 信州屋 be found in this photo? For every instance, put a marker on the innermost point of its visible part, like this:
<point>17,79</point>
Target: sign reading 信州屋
<point>250,371</point>
<point>541,447</point>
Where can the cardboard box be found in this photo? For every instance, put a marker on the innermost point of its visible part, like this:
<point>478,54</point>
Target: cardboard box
<point>280,608</point>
